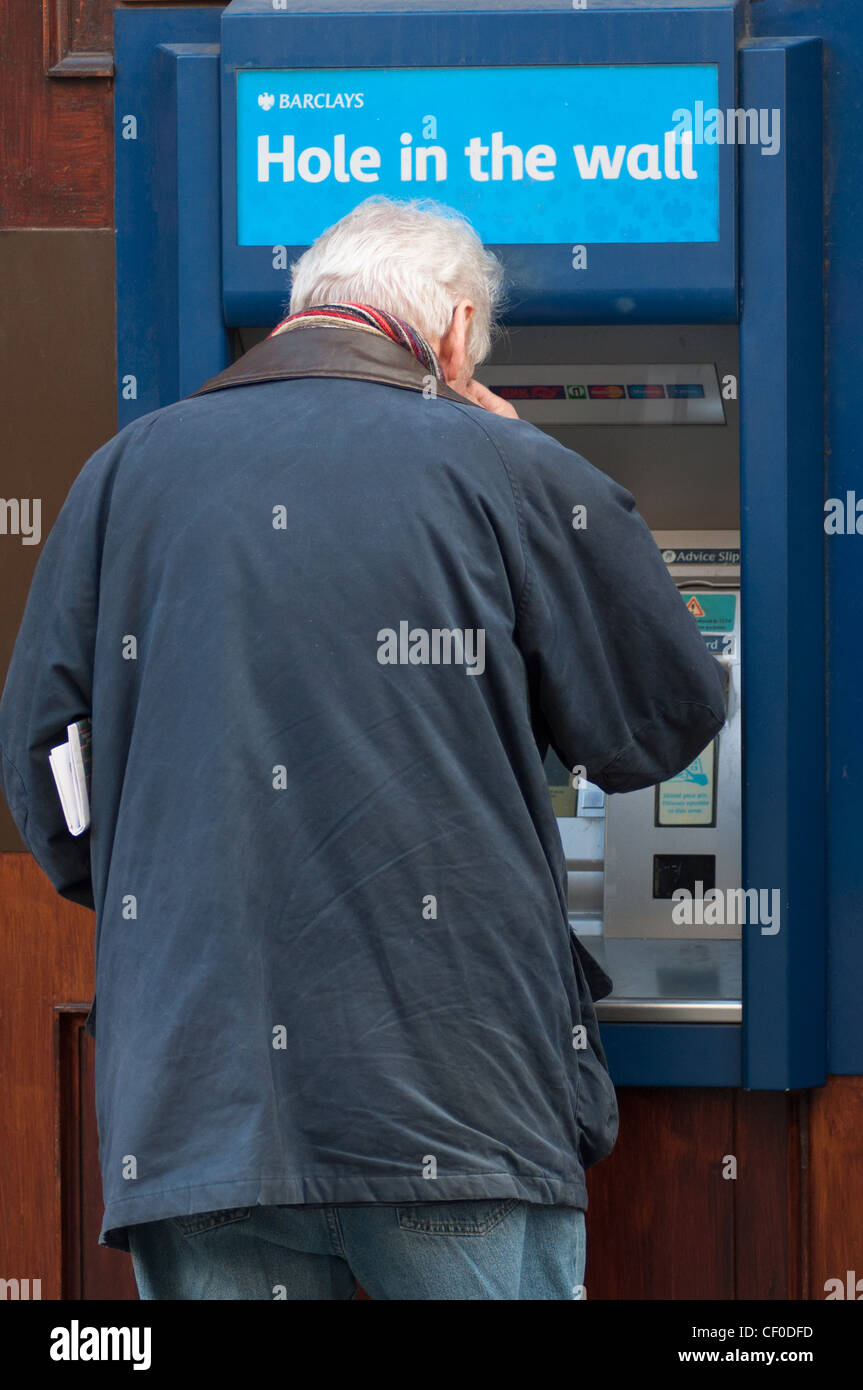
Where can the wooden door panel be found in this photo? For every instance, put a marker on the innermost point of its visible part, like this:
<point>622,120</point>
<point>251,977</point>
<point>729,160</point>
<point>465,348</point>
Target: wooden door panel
<point>89,1270</point>
<point>660,1215</point>
<point>46,945</point>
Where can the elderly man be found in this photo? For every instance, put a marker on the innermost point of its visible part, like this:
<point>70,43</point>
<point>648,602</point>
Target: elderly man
<point>328,614</point>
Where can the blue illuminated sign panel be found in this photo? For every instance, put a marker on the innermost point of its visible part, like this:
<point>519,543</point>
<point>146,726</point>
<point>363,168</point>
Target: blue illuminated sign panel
<point>556,156</point>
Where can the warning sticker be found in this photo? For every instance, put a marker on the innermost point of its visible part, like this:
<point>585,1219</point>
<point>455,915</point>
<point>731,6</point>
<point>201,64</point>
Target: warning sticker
<point>712,612</point>
<point>689,798</point>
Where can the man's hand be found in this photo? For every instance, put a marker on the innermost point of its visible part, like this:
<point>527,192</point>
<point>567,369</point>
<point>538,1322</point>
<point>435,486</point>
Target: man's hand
<point>480,395</point>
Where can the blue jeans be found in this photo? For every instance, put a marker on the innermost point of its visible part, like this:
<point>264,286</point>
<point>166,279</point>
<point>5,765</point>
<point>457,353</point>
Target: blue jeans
<point>500,1248</point>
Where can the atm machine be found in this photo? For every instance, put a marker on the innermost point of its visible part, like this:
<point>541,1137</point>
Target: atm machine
<point>656,408</point>
<point>664,321</point>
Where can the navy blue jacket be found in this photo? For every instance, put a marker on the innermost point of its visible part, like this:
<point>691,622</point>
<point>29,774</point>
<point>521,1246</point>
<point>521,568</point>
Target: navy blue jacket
<point>327,624</point>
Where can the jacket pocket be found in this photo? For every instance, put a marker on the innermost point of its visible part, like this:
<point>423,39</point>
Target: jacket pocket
<point>596,1114</point>
<point>598,982</point>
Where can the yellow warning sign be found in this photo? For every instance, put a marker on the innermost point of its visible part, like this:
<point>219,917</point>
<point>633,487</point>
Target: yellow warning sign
<point>695,607</point>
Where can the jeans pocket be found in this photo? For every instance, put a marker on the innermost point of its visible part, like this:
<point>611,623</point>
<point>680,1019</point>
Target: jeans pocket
<point>201,1221</point>
<point>466,1218</point>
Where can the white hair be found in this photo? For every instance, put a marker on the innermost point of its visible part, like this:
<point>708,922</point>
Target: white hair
<point>415,259</point>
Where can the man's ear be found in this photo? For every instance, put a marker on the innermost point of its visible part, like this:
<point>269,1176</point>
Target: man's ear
<point>452,353</point>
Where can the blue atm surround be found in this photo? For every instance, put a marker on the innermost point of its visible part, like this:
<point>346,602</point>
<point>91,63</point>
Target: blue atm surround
<point>673,282</point>
<point>182,281</point>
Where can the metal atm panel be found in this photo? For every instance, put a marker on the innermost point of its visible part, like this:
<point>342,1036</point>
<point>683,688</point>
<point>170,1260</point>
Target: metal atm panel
<point>655,408</point>
<point>666,961</point>
<point>686,831</point>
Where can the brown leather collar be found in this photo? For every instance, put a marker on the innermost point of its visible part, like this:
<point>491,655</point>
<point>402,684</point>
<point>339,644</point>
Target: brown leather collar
<point>317,350</point>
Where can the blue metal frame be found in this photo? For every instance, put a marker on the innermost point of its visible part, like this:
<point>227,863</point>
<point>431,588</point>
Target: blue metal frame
<point>841,27</point>
<point>783,1041</point>
<point>170,331</point>
<point>781,368</point>
<point>673,1054</point>
<point>669,283</point>
<point>188,204</point>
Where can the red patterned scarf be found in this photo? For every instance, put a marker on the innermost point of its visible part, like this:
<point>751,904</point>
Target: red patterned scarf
<point>370,319</point>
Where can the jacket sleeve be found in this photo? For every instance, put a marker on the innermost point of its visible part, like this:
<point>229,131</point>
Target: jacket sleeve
<point>49,682</point>
<point>621,681</point>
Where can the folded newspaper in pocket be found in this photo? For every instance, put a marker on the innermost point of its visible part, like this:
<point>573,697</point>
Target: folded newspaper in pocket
<point>70,764</point>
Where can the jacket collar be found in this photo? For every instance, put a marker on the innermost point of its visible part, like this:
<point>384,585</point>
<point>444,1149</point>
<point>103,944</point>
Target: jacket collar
<point>315,350</point>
